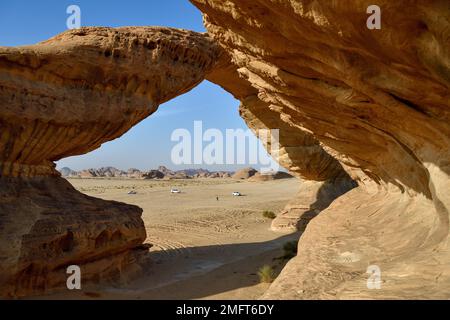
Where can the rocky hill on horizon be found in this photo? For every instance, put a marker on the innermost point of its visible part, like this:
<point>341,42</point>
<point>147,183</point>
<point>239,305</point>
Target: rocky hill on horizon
<point>161,172</point>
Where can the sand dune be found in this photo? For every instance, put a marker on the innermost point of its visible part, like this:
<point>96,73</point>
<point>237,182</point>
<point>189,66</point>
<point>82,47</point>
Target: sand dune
<point>202,247</point>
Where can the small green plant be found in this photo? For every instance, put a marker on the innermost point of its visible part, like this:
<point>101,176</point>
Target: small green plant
<point>266,274</point>
<point>290,250</point>
<point>269,214</point>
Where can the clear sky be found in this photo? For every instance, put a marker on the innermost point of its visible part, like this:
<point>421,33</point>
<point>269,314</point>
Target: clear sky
<point>148,144</point>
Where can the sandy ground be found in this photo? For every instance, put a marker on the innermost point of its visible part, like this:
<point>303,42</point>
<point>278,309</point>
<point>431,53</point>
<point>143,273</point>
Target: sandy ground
<point>203,248</point>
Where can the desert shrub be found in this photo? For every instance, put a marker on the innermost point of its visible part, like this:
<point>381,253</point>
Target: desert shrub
<point>266,274</point>
<point>269,214</point>
<point>290,250</point>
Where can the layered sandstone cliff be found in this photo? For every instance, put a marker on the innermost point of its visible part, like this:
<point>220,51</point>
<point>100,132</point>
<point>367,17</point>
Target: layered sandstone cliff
<point>294,148</point>
<point>64,97</point>
<point>377,101</point>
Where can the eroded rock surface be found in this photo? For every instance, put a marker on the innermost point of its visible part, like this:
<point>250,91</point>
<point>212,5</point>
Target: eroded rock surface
<point>295,148</point>
<point>323,178</point>
<point>68,95</point>
<point>65,97</point>
<point>377,101</point>
<point>312,198</point>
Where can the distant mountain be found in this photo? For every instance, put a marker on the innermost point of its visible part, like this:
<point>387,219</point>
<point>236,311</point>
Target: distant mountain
<point>165,171</point>
<point>134,173</point>
<point>244,173</point>
<point>270,176</point>
<point>111,172</point>
<point>193,172</point>
<point>161,173</point>
<point>106,172</point>
<point>153,174</point>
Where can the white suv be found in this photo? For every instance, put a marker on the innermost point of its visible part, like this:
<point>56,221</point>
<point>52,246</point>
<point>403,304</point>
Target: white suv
<point>236,194</point>
<point>175,190</point>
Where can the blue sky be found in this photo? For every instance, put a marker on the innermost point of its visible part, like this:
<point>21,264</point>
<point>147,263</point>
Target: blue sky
<point>148,144</point>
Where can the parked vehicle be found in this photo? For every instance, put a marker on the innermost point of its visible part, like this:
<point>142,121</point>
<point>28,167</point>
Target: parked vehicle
<point>236,194</point>
<point>173,190</point>
<point>132,192</point>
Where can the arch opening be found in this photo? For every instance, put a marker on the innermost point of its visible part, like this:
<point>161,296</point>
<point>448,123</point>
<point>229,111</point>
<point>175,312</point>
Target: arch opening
<point>210,235</point>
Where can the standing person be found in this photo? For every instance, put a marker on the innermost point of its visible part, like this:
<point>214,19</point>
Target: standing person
<point>217,198</point>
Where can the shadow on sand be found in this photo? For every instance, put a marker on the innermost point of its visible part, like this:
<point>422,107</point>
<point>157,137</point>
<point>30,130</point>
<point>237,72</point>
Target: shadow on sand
<point>201,272</point>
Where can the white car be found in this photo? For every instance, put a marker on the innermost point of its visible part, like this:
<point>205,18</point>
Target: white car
<point>132,192</point>
<point>175,190</point>
<point>236,194</point>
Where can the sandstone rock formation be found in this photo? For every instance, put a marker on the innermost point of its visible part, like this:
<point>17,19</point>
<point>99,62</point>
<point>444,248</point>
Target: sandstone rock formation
<point>64,97</point>
<point>312,198</point>
<point>109,172</point>
<point>153,174</point>
<point>165,171</point>
<point>351,104</point>
<point>296,148</point>
<point>269,176</point>
<point>377,101</point>
<point>161,173</point>
<point>244,173</point>
<point>134,173</point>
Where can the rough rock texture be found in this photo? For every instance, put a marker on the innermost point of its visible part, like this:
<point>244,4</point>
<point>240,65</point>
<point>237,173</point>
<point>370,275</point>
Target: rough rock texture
<point>303,155</point>
<point>153,174</point>
<point>64,97</point>
<point>377,101</point>
<point>68,95</point>
<point>296,149</point>
<point>244,173</point>
<point>46,225</point>
<point>132,173</point>
<point>269,176</point>
<point>312,198</point>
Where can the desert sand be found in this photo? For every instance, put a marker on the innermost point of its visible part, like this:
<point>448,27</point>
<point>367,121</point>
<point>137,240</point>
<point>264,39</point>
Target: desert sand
<point>203,248</point>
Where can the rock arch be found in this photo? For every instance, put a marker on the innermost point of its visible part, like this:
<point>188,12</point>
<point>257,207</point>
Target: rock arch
<point>378,102</point>
<point>68,95</point>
